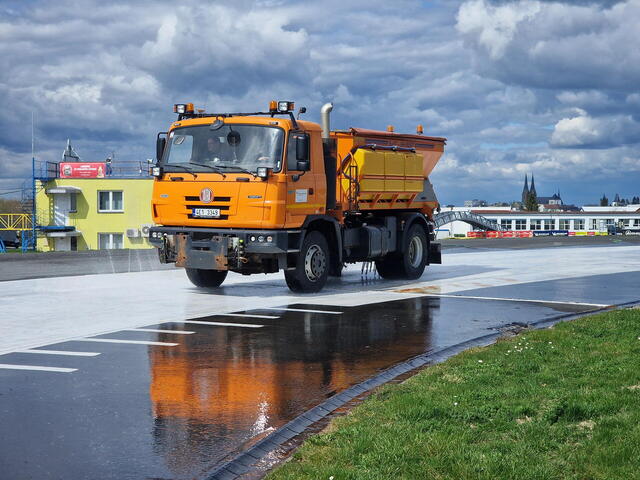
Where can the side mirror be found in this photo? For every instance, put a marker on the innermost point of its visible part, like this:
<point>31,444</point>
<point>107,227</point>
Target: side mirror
<point>302,149</point>
<point>160,144</point>
<point>303,165</point>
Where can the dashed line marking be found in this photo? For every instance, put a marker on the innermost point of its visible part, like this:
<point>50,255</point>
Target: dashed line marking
<point>153,330</point>
<point>60,352</point>
<point>7,366</point>
<point>245,315</point>
<point>115,340</point>
<point>217,324</point>
<point>442,295</point>
<point>302,310</point>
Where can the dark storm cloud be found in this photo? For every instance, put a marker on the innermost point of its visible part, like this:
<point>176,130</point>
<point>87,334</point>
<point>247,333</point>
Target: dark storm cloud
<point>516,85</point>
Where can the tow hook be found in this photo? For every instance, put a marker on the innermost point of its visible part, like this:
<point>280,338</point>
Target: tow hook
<point>163,251</point>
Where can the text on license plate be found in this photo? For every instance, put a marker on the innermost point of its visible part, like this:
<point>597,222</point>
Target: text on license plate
<point>206,212</point>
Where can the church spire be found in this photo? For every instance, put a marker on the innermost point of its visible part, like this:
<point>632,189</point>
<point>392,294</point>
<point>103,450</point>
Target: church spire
<point>525,190</point>
<point>533,187</point>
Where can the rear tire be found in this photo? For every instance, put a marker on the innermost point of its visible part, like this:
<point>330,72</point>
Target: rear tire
<point>206,278</point>
<point>410,263</point>
<point>389,266</point>
<point>312,267</point>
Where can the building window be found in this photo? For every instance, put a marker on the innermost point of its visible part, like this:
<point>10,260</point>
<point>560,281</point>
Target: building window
<point>578,224</point>
<point>536,224</point>
<point>505,224</point>
<point>73,203</point>
<point>609,222</point>
<point>549,225</point>
<point>565,224</point>
<point>521,224</point>
<point>594,224</point>
<point>110,201</point>
<point>636,223</point>
<point>109,241</point>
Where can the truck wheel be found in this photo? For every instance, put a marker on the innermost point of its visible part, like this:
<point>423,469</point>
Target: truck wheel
<point>415,251</point>
<point>410,262</point>
<point>389,266</point>
<point>206,278</point>
<point>312,266</point>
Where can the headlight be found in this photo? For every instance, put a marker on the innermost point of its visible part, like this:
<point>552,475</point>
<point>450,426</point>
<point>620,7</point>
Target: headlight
<point>262,172</point>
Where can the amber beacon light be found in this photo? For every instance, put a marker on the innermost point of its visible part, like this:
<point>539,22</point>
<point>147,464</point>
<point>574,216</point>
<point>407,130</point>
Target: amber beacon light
<point>181,108</point>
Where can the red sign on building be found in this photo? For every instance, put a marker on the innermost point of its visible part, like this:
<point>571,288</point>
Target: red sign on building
<point>82,170</point>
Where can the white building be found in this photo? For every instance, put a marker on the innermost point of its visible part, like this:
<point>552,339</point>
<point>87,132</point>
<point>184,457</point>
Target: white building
<point>588,221</point>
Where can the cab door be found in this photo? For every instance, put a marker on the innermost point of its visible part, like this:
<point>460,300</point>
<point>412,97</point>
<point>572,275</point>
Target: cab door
<point>303,197</point>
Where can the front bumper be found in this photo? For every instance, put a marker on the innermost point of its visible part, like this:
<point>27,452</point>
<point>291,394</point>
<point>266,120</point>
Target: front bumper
<point>222,249</point>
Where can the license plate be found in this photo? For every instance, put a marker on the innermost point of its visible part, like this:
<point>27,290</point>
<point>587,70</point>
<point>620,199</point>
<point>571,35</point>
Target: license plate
<point>206,212</point>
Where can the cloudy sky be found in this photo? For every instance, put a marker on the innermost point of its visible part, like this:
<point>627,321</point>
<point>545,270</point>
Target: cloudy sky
<point>544,87</point>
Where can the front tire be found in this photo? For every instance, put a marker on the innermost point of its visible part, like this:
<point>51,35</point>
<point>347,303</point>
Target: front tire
<point>206,278</point>
<point>312,267</point>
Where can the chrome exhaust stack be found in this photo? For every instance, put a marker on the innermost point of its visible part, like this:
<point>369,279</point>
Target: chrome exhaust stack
<point>325,112</point>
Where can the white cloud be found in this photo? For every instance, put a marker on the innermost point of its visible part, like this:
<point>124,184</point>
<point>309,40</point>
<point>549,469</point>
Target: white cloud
<point>494,27</point>
<point>583,131</point>
<point>576,131</point>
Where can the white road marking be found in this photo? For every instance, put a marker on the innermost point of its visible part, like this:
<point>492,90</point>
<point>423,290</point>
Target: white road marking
<point>217,324</point>
<point>60,352</point>
<point>8,366</point>
<point>442,295</point>
<point>115,340</point>
<point>153,330</point>
<point>246,315</point>
<point>302,310</point>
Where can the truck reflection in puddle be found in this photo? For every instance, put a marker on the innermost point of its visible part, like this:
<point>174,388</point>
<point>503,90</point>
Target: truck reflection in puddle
<point>224,386</point>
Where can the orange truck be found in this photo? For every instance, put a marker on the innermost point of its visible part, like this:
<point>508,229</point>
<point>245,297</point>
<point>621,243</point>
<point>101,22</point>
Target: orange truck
<point>262,192</point>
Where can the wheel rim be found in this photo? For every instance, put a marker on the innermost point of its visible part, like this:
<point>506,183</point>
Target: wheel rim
<point>315,262</point>
<point>415,251</point>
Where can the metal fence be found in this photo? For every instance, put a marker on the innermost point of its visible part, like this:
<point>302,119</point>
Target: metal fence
<point>15,221</point>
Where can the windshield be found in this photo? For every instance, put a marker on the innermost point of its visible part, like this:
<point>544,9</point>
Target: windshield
<point>229,148</point>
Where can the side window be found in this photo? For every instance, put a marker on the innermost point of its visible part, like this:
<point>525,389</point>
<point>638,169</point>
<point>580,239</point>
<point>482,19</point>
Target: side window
<point>292,161</point>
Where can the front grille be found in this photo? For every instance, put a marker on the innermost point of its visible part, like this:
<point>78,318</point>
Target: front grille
<point>215,199</point>
<point>208,205</point>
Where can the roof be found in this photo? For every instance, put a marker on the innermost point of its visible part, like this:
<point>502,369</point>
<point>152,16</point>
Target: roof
<point>64,189</point>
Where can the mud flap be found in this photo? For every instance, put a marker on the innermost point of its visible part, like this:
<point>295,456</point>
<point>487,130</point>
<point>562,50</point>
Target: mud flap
<point>434,253</point>
<point>210,254</point>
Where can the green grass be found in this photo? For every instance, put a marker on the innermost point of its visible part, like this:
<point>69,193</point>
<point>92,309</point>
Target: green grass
<point>561,403</point>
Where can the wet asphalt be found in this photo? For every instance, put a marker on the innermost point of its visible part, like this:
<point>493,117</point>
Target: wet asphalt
<point>177,412</point>
<point>213,386</point>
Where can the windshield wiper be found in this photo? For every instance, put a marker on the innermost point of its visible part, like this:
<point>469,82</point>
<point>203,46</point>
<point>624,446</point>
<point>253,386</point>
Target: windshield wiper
<point>192,171</point>
<point>240,169</point>
<point>187,169</point>
<point>211,167</point>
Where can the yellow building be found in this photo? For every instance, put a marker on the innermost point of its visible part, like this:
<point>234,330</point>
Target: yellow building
<point>93,213</point>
